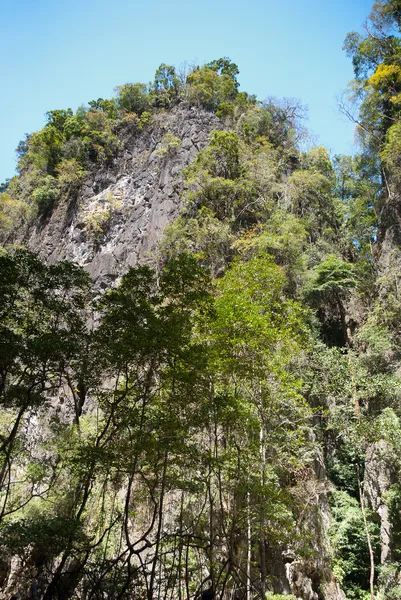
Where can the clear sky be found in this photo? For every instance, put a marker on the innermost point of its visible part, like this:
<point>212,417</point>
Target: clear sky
<point>63,53</point>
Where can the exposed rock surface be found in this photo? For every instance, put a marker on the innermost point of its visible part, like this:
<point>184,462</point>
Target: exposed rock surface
<point>138,194</point>
<point>378,478</point>
<point>310,578</point>
<point>140,190</point>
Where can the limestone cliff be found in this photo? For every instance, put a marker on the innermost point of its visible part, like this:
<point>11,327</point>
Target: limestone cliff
<point>139,193</point>
<point>114,221</point>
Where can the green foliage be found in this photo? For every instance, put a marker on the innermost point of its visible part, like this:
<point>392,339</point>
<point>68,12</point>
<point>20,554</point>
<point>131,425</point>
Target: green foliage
<point>228,199</point>
<point>161,336</point>
<point>97,215</point>
<point>46,536</point>
<point>45,195</point>
<point>42,335</point>
<point>333,276</point>
<point>358,188</point>
<point>44,149</point>
<point>284,238</point>
<point>348,537</point>
<point>377,351</point>
<point>343,467</point>
<point>138,123</point>
<point>318,160</point>
<point>37,320</point>
<point>208,89</point>
<point>310,195</point>
<point>221,159</point>
<point>389,581</point>
<point>58,118</point>
<point>253,290</point>
<point>12,212</point>
<point>391,153</point>
<point>220,180</point>
<point>256,335</point>
<point>205,236</point>
<point>277,121</point>
<point>225,109</point>
<point>224,66</point>
<point>70,174</point>
<point>54,158</point>
<point>132,97</point>
<point>169,144</point>
<point>376,58</point>
<point>387,305</point>
<point>98,140</point>
<point>165,87</point>
<point>108,106</point>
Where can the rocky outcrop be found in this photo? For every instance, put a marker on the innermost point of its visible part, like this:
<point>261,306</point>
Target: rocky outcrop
<point>378,478</point>
<point>119,215</point>
<point>309,578</point>
<point>116,221</point>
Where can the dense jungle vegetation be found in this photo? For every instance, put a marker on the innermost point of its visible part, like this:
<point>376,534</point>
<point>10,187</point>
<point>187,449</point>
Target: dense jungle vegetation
<point>189,426</point>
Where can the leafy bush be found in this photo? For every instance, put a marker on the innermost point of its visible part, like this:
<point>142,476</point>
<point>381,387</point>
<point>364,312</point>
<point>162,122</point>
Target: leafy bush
<point>138,122</point>
<point>107,106</point>
<point>132,97</point>
<point>169,143</point>
<point>333,275</point>
<point>44,149</point>
<point>12,211</point>
<point>225,67</point>
<point>70,174</point>
<point>99,141</point>
<point>205,236</point>
<point>48,535</point>
<point>46,194</point>
<point>221,158</point>
<point>389,581</point>
<point>351,564</point>
<point>98,215</point>
<point>310,196</point>
<point>209,89</point>
<point>165,87</point>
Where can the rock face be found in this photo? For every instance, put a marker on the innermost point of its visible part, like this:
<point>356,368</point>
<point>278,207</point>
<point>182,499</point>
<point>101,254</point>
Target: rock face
<point>308,578</point>
<point>115,222</point>
<point>312,579</point>
<point>120,213</point>
<point>378,478</point>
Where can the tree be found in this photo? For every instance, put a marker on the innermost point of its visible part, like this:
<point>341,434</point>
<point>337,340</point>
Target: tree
<point>42,336</point>
<point>310,195</point>
<point>165,86</point>
<point>45,149</point>
<point>58,118</point>
<point>209,89</point>
<point>358,186</point>
<point>255,333</point>
<point>132,97</point>
<point>331,283</point>
<point>222,157</point>
<point>224,66</point>
<point>376,59</point>
<point>108,106</point>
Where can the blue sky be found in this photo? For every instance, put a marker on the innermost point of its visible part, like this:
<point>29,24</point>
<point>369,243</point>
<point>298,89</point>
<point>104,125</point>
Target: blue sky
<point>60,54</point>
